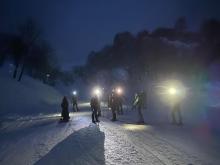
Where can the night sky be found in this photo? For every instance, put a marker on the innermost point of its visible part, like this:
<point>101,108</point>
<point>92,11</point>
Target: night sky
<point>76,27</point>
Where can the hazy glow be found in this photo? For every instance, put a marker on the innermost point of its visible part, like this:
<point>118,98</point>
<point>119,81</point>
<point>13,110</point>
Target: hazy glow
<point>135,127</point>
<point>74,92</point>
<point>84,104</point>
<point>119,90</point>
<point>97,91</point>
<point>172,91</point>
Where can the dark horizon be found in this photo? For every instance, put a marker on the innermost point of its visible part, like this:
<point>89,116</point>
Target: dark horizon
<point>75,28</point>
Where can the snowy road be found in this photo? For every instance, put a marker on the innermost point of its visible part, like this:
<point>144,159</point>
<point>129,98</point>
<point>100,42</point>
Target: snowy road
<point>42,140</point>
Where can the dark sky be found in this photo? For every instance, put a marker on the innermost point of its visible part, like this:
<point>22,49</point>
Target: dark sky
<point>76,27</point>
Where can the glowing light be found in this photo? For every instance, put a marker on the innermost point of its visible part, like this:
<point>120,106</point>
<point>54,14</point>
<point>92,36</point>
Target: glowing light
<point>172,91</point>
<point>135,127</point>
<point>97,91</point>
<point>119,90</point>
<point>84,104</point>
<point>74,92</point>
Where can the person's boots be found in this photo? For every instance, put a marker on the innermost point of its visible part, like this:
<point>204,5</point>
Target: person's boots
<point>93,120</point>
<point>114,117</point>
<point>77,108</point>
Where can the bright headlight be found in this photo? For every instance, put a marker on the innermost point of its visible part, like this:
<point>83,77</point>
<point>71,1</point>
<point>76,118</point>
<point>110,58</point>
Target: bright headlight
<point>119,91</point>
<point>74,92</point>
<point>97,91</point>
<point>172,91</point>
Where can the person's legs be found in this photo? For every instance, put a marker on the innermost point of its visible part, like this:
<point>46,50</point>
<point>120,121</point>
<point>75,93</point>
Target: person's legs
<point>93,116</point>
<point>180,117</point>
<point>74,109</point>
<point>121,109</point>
<point>113,114</point>
<point>141,118</point>
<point>96,116</point>
<point>117,109</point>
<point>99,113</point>
<point>173,115</point>
<point>77,108</point>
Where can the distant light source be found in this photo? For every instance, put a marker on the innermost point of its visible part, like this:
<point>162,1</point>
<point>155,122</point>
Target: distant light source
<point>172,91</point>
<point>135,127</point>
<point>97,91</point>
<point>119,90</point>
<point>74,92</point>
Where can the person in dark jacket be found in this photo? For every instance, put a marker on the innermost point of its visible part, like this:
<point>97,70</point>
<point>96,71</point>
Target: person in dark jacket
<point>94,103</point>
<point>139,104</point>
<point>65,112</point>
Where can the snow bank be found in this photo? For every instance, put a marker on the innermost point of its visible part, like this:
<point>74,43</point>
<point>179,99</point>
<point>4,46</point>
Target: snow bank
<point>26,97</point>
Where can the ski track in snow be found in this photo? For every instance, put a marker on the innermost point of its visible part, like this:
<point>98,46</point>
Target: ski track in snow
<point>135,147</point>
<point>29,146</point>
<point>45,141</point>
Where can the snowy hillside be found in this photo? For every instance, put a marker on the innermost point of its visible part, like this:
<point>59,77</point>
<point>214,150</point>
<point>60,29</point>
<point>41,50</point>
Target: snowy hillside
<point>26,97</point>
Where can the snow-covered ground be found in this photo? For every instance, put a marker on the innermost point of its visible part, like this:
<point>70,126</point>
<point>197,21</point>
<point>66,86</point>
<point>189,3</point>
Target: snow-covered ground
<point>27,97</point>
<point>42,140</point>
<point>30,131</point>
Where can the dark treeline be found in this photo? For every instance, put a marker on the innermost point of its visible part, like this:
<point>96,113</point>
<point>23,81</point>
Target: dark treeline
<point>159,54</point>
<point>30,53</point>
<point>162,53</point>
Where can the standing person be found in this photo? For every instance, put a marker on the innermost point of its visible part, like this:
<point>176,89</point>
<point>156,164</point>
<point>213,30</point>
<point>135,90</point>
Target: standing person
<point>176,112</point>
<point>75,103</point>
<point>94,103</point>
<point>65,112</point>
<point>139,104</point>
<point>113,106</point>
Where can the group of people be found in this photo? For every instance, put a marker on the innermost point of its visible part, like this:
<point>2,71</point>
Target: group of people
<point>115,104</point>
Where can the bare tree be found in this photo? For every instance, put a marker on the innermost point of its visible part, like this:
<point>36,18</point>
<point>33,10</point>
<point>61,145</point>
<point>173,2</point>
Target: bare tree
<point>30,35</point>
